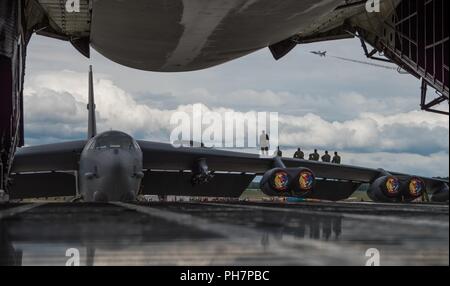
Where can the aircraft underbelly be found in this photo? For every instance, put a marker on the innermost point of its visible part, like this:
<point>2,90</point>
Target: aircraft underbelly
<point>182,35</point>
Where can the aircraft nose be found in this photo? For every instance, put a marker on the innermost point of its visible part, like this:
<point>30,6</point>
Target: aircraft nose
<point>117,167</point>
<point>117,182</point>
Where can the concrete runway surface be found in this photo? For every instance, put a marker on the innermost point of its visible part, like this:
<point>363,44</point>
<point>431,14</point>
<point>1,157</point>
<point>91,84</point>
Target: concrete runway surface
<point>240,233</point>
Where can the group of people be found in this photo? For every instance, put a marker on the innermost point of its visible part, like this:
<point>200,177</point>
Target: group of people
<point>299,154</point>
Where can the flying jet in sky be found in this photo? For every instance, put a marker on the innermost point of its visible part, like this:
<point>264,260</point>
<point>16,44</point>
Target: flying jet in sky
<point>113,166</point>
<point>319,53</point>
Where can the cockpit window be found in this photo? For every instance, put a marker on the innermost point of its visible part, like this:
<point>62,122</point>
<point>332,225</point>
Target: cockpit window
<point>113,141</point>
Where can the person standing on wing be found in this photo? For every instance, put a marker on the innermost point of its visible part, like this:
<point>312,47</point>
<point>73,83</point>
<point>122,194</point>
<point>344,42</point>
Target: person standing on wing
<point>264,143</point>
<point>314,156</point>
<point>299,154</point>
<point>336,158</point>
<point>326,158</point>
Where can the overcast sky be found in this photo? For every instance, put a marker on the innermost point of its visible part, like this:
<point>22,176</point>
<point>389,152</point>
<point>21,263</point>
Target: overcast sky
<point>370,114</point>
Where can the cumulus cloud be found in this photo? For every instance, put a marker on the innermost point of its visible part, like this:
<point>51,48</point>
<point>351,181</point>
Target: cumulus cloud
<point>339,106</point>
<point>415,132</point>
<point>53,100</point>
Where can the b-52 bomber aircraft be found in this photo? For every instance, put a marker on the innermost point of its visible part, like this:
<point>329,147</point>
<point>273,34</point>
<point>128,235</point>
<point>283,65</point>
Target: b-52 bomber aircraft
<point>113,166</point>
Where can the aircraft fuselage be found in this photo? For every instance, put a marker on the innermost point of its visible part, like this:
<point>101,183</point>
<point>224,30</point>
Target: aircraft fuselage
<point>110,168</point>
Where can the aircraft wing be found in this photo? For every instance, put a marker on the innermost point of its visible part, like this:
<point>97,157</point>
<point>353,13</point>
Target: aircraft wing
<point>335,182</point>
<point>170,171</point>
<point>167,157</point>
<point>50,157</point>
<point>45,170</point>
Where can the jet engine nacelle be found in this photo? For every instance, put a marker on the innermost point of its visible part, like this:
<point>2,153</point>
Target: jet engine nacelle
<point>413,188</point>
<point>288,182</point>
<point>385,189</point>
<point>392,189</point>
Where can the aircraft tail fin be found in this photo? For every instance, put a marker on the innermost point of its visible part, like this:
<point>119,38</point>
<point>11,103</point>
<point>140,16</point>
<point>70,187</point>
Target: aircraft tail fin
<point>92,124</point>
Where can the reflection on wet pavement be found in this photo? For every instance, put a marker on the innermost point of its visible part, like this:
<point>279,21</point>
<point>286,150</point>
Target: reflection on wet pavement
<point>224,234</point>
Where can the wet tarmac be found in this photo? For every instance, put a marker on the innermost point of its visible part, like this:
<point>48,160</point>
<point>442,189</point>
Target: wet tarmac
<point>191,233</point>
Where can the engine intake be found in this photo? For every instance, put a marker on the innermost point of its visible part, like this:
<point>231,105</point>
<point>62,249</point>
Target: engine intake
<point>304,182</point>
<point>413,189</point>
<point>385,189</point>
